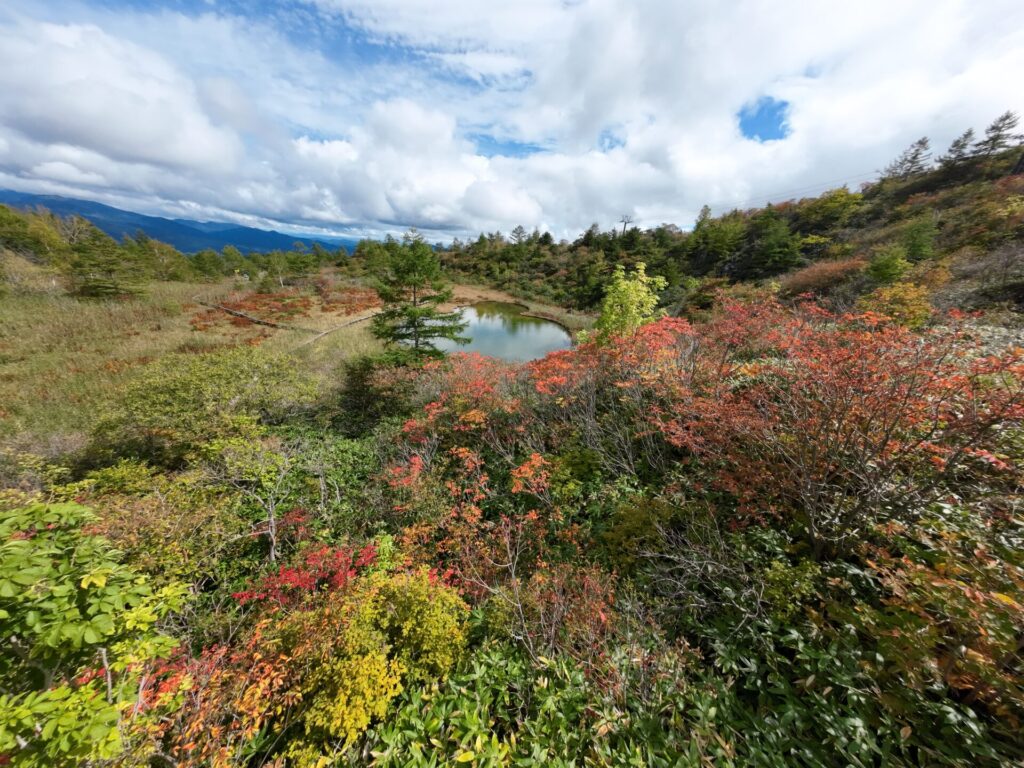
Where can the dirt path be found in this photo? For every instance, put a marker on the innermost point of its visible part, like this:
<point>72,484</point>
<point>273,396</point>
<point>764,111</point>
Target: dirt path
<point>472,294</point>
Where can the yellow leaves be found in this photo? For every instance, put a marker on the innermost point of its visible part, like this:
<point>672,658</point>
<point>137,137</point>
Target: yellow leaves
<point>749,370</point>
<point>604,729</point>
<point>474,417</point>
<point>905,303</point>
<point>466,757</point>
<point>1006,600</point>
<point>329,671</point>
<point>348,693</point>
<point>96,578</point>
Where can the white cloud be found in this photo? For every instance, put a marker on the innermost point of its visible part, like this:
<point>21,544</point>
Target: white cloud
<point>362,118</point>
<point>60,171</point>
<point>74,84</point>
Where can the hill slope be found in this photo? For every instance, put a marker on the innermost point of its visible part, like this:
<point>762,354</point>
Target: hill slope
<point>957,229</point>
<point>184,234</point>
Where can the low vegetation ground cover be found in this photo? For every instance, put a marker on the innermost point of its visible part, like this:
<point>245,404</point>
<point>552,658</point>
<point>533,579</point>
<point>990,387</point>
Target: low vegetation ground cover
<point>740,522</point>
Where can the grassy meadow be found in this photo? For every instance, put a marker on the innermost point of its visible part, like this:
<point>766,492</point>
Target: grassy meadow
<point>64,358</point>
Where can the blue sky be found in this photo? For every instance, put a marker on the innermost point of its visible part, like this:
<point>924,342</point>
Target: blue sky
<point>457,116</point>
<point>764,120</point>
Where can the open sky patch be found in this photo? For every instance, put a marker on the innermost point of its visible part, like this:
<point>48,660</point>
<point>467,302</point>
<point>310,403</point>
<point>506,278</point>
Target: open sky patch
<point>765,119</point>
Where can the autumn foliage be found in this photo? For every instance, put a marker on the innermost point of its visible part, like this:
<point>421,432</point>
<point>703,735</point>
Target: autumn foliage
<point>310,676</point>
<point>776,509</point>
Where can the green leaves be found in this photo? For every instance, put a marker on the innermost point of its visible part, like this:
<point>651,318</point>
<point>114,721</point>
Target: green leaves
<point>173,406</point>
<point>79,625</point>
<point>629,302</point>
<point>102,269</point>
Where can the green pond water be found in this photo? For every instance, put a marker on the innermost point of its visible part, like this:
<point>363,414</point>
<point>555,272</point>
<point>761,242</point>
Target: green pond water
<point>501,330</point>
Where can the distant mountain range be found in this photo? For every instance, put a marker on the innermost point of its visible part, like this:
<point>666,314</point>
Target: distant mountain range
<point>185,235</point>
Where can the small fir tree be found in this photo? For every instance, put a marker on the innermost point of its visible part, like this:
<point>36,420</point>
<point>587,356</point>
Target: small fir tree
<point>101,269</point>
<point>410,284</point>
<point>888,264</point>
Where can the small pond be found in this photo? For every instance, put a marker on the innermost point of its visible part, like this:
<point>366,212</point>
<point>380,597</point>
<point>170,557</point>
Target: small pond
<point>499,329</point>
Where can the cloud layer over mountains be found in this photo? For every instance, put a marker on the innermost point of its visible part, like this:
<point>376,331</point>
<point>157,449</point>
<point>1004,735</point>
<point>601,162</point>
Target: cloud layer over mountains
<point>458,116</point>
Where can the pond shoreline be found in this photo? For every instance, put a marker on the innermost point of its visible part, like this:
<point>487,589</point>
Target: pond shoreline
<point>508,331</point>
<point>467,295</point>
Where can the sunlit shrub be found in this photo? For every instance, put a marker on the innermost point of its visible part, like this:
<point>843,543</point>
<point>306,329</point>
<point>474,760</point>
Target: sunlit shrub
<point>821,276</point>
<point>501,708</point>
<point>888,264</point>
<point>172,406</point>
<point>905,303</point>
<point>337,659</point>
<point>78,628</point>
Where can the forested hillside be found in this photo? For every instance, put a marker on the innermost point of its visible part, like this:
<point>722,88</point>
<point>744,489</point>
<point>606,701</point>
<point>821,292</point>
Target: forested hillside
<point>952,223</point>
<point>95,264</point>
<point>766,511</point>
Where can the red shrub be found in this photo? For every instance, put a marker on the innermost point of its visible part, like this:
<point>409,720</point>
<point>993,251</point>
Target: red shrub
<point>821,277</point>
<point>847,420</point>
<point>319,568</point>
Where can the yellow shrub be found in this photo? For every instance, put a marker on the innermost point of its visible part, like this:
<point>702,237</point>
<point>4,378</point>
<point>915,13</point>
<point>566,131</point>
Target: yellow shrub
<point>905,303</point>
<point>349,692</point>
<point>398,629</point>
<point>423,622</point>
<point>309,679</point>
<point>932,274</point>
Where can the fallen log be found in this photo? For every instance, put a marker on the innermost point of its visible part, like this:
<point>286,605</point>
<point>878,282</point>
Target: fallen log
<point>321,334</point>
<point>255,320</point>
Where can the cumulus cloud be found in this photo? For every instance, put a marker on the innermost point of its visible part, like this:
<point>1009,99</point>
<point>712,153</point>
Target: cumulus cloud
<point>76,85</point>
<point>374,116</point>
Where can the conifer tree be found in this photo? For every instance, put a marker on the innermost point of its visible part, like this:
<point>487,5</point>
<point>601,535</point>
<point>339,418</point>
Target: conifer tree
<point>771,248</point>
<point>959,150</point>
<point>101,269</point>
<point>912,161</point>
<point>410,284</point>
<point>208,263</point>
<point>999,135</point>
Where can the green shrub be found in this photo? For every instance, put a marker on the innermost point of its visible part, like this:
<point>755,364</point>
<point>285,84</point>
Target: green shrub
<point>375,388</point>
<point>918,238</point>
<point>629,302</point>
<point>888,264</point>
<point>497,709</point>
<point>77,627</point>
<point>500,708</point>
<point>174,405</point>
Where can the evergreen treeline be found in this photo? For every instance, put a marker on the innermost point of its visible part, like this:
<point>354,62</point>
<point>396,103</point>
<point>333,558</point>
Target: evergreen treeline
<point>96,265</point>
<point>918,203</point>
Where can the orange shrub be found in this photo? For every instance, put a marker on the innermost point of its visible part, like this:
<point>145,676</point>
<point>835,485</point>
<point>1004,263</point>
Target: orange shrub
<point>821,277</point>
